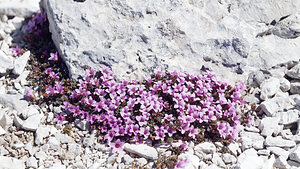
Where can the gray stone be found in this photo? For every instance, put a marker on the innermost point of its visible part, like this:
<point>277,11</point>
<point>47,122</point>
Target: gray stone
<point>294,72</point>
<point>141,150</point>
<point>9,162</point>
<point>279,142</point>
<point>133,38</point>
<point>297,100</point>
<point>269,107</point>
<point>250,140</point>
<point>269,88</point>
<point>82,124</point>
<point>295,154</point>
<point>229,159</point>
<point>23,8</point>
<point>281,162</point>
<point>293,163</point>
<point>268,125</point>
<point>256,78</point>
<point>206,147</point>
<point>285,85</point>
<point>20,63</point>
<point>6,63</point>
<point>279,151</point>
<point>31,162</point>
<point>295,87</point>
<point>288,117</point>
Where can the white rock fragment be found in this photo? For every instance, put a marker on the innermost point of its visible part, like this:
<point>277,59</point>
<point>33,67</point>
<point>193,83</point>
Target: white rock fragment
<point>269,163</point>
<point>82,124</point>
<point>285,85</point>
<point>41,133</point>
<point>281,162</point>
<point>234,148</point>
<point>75,148</point>
<point>29,111</point>
<point>193,160</point>
<point>264,152</point>
<point>2,131</point>
<point>218,160</point>
<point>16,101</point>
<point>58,166</point>
<point>279,142</point>
<point>295,154</point>
<point>229,159</point>
<point>20,63</point>
<point>268,125</point>
<point>294,72</point>
<point>142,150</point>
<point>206,147</point>
<point>288,117</point>
<point>6,63</point>
<point>279,151</point>
<point>5,120</point>
<point>32,122</point>
<point>53,143</point>
<point>269,88</point>
<point>250,140</point>
<point>31,162</point>
<point>23,8</point>
<point>249,158</point>
<point>10,163</point>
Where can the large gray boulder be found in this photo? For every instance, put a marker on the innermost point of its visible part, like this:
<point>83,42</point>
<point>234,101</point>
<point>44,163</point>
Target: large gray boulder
<point>135,37</point>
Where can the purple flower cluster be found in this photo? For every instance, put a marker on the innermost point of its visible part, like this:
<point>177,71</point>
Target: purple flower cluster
<point>35,24</point>
<point>175,105</point>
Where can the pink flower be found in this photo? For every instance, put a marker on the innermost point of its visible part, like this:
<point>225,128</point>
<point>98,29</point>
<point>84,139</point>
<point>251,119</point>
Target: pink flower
<point>145,132</point>
<point>236,118</point>
<point>50,91</point>
<point>59,118</point>
<point>193,132</point>
<point>53,56</point>
<point>117,146</point>
<point>54,75</point>
<point>181,164</point>
<point>16,51</point>
<point>59,89</point>
<point>48,71</point>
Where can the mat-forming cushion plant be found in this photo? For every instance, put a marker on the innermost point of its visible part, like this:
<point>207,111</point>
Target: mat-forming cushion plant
<point>163,108</point>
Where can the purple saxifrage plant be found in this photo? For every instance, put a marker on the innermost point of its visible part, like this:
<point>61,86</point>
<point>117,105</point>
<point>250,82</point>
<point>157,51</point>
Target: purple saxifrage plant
<point>175,105</point>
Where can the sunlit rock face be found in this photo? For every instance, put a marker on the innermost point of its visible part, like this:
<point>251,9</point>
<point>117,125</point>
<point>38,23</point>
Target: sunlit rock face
<point>133,37</point>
